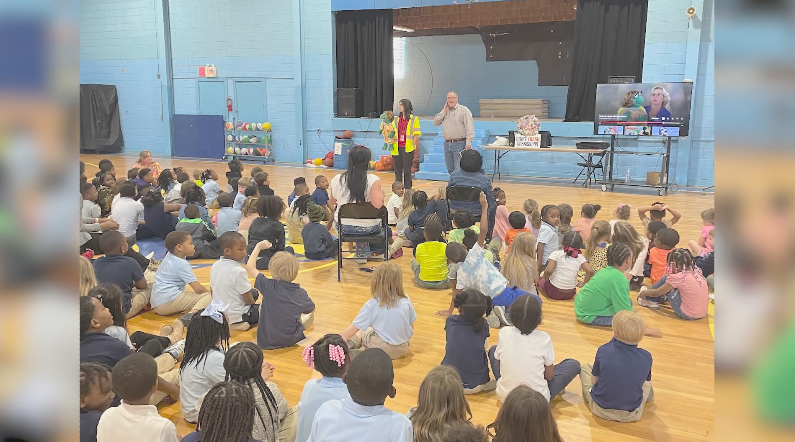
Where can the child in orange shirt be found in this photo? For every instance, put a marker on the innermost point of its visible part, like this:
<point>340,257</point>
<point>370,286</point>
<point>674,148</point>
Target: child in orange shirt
<point>665,241</point>
<point>518,223</point>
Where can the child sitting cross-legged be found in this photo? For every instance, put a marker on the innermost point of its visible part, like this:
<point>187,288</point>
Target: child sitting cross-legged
<point>274,419</point>
<point>205,243</point>
<point>525,416</point>
<point>386,321</point>
<point>124,272</point>
<point>286,308</point>
<point>623,232</point>
<point>230,285</point>
<point>430,263</point>
<point>460,432</point>
<point>227,219</point>
<point>297,214</point>
<point>329,357</point>
<point>607,293</point>
<point>169,295</point>
<point>440,404</point>
<point>596,245</point>
<point>702,246</point>
<point>135,381</point>
<point>560,277</point>
<point>228,413</point>
<point>524,355</point>
<point>96,396</point>
<point>618,384</point>
<point>664,242</point>
<point>267,227</point>
<point>467,333</point>
<point>657,212</point>
<point>424,207</point>
<point>683,287</point>
<point>518,223</point>
<point>363,417</point>
<point>239,194</point>
<point>318,242</point>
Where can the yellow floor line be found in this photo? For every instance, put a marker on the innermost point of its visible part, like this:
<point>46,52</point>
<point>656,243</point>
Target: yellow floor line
<point>711,315</point>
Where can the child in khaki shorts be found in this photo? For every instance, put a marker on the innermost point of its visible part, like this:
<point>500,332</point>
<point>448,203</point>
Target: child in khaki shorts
<point>618,384</point>
<point>170,294</point>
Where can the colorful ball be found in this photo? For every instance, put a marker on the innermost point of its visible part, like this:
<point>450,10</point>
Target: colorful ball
<point>347,134</point>
<point>230,138</point>
<point>252,139</point>
<point>317,161</point>
<point>229,126</point>
<point>230,149</point>
<point>237,150</point>
<point>372,164</point>
<point>259,126</point>
<point>237,138</point>
<point>244,139</point>
<point>266,126</point>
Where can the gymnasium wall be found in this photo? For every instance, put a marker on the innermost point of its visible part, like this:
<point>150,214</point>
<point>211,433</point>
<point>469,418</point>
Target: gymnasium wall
<point>119,45</point>
<point>435,65</point>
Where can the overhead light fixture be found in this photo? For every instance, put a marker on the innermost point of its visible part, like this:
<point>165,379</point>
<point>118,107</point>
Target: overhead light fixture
<point>402,28</point>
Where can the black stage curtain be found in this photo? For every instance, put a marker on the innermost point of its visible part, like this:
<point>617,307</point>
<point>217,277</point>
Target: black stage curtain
<point>609,36</point>
<point>100,123</point>
<point>364,57</point>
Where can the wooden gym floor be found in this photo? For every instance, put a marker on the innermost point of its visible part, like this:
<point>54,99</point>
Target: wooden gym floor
<point>683,379</point>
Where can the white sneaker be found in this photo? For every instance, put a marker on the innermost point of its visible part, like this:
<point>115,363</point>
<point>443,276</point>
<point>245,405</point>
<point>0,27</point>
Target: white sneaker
<point>150,255</point>
<point>644,302</point>
<point>493,320</point>
<point>176,349</point>
<point>500,312</point>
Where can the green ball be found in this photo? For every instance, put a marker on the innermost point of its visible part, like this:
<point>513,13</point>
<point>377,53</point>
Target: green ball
<point>244,139</point>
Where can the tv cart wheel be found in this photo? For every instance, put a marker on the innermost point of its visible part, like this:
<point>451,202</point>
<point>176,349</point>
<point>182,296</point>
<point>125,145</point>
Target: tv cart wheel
<point>673,187</point>
<point>661,192</point>
<point>604,188</point>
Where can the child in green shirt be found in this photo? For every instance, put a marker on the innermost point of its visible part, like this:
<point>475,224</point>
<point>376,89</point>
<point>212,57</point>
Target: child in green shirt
<point>607,292</point>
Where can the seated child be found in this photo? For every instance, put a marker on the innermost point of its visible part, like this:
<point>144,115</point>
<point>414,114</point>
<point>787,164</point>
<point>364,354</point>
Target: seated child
<point>466,337</point>
<point>145,178</point>
<point>664,241</point>
<point>230,285</point>
<point>255,171</point>
<point>263,183</point>
<point>267,227</point>
<point>197,177</point>
<point>623,232</point>
<point>104,183</point>
<point>707,262</point>
<point>596,245</point>
<point>124,272</point>
<point>329,357</point>
<point>548,238</point>
<point>525,413</point>
<point>524,355</point>
<point>406,207</point>
<point>622,214</point>
<point>517,220</point>
<point>701,247</point>
<point>607,293</point>
<point>228,413</point>
<point>296,182</point>
<point>296,214</point>
<point>423,208</point>
<point>560,277</point>
<point>286,308</point>
<point>430,263</point>
<point>532,216</point>
<point>395,202</point>
<point>462,220</point>
<point>128,212</point>
<point>233,175</point>
<point>657,213</point>
<point>440,404</point>
<point>228,218</point>
<point>651,233</point>
<point>91,212</point>
<point>169,295</point>
<point>363,417</point>
<point>519,267</point>
<point>205,243</point>
<point>203,362</point>
<point>95,345</point>
<point>501,224</point>
<point>96,396</point>
<point>249,213</point>
<point>683,287</point>
<point>239,194</point>
<point>210,185</point>
<point>195,195</point>
<point>318,242</point>
<point>618,384</point>
<point>459,432</point>
<point>174,196</point>
<point>587,219</point>
<point>133,173</point>
<point>135,381</point>
<point>386,321</point>
<point>274,419</point>
<point>320,195</point>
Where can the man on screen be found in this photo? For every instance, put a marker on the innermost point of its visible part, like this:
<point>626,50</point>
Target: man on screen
<point>458,130</point>
<point>660,108</point>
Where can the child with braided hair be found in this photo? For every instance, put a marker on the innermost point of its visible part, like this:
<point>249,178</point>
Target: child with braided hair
<point>607,293</point>
<point>210,186</point>
<point>96,396</point>
<point>683,287</point>
<point>227,415</point>
<point>560,277</point>
<point>274,419</point>
<point>329,356</point>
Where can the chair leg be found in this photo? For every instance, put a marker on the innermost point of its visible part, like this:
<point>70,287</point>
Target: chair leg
<point>339,259</point>
<point>578,176</point>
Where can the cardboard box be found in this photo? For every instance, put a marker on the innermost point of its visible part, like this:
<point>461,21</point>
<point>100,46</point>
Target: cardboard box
<point>653,178</point>
<point>527,141</point>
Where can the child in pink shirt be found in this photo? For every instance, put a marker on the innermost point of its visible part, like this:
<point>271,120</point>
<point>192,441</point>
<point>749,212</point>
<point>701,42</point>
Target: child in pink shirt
<point>702,247</point>
<point>683,287</point>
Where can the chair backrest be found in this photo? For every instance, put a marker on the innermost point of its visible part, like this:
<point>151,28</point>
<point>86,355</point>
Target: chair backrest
<point>362,211</point>
<point>463,193</point>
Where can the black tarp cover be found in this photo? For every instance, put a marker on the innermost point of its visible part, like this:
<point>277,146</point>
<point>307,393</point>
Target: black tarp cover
<point>100,123</point>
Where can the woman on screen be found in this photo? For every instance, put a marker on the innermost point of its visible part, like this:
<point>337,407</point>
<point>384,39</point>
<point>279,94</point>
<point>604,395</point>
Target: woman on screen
<point>660,104</point>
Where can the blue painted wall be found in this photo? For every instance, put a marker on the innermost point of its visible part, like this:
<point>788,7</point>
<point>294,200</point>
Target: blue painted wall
<point>435,65</point>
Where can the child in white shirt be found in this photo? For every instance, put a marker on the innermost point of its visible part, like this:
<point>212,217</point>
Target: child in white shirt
<point>230,285</point>
<point>395,202</point>
<point>560,277</point>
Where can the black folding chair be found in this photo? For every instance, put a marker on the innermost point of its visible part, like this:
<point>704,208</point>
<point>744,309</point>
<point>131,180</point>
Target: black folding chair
<point>461,194</point>
<point>589,168</point>
<point>361,211</point>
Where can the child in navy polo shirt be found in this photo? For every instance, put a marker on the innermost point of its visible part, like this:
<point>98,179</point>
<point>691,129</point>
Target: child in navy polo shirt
<point>124,272</point>
<point>320,195</point>
<point>618,384</point>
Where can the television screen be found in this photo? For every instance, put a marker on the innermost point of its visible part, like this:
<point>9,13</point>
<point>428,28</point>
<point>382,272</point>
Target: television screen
<point>643,109</point>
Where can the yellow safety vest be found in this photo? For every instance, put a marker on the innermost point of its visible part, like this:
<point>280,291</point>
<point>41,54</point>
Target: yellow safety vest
<point>411,130</point>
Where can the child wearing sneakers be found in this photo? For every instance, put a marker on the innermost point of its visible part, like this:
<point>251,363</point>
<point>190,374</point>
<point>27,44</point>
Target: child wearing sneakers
<point>618,384</point>
<point>363,417</point>
<point>430,263</point>
<point>683,287</point>
<point>124,272</point>
<point>169,294</point>
<point>286,308</point>
<point>230,285</point>
<point>524,355</point>
<point>467,334</point>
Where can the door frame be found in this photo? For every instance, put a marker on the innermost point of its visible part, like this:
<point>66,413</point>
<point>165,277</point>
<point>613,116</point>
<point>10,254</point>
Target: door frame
<point>199,81</point>
<point>263,80</point>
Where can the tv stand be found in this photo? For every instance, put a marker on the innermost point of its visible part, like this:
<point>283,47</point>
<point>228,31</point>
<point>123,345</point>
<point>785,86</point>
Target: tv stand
<point>663,187</point>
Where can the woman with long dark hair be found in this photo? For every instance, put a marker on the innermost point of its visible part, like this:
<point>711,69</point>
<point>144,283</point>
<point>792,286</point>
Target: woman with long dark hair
<point>407,128</point>
<point>357,186</point>
<point>158,215</point>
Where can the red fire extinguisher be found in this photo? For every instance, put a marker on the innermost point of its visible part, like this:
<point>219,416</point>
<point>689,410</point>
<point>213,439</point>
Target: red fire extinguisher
<point>229,104</point>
